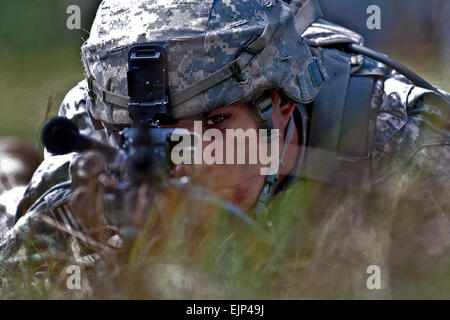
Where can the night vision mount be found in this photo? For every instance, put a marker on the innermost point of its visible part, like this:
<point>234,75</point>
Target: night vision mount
<point>148,85</point>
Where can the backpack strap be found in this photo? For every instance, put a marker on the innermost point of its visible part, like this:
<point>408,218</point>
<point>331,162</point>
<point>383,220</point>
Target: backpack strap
<point>340,134</point>
<point>326,117</point>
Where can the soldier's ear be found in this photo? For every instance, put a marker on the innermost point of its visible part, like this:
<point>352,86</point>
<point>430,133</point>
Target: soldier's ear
<point>282,103</point>
<point>283,109</point>
<point>287,108</point>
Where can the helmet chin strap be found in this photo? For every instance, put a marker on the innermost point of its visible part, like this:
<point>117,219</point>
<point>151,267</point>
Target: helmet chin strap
<point>265,111</point>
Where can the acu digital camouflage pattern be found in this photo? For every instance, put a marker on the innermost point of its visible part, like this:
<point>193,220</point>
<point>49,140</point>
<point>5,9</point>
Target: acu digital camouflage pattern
<point>200,37</point>
<point>401,223</point>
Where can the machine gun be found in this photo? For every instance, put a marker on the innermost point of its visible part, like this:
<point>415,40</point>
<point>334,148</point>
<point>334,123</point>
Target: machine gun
<point>142,159</point>
<point>143,155</point>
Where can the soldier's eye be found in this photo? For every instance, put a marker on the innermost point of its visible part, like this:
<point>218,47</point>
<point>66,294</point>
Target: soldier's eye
<point>216,119</point>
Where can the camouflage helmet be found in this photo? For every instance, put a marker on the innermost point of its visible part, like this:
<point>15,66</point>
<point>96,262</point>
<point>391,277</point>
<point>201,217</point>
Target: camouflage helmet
<point>219,52</point>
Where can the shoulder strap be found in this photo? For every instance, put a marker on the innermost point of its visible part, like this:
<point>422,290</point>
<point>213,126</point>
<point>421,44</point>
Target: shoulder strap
<point>338,150</point>
<point>326,118</point>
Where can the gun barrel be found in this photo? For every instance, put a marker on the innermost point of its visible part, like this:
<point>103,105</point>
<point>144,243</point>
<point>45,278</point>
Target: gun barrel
<point>61,136</point>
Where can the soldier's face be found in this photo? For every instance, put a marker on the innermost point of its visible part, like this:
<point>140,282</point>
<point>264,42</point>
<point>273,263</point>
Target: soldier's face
<point>240,184</point>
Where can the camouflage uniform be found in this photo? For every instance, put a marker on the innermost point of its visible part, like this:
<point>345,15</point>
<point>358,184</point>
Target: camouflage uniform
<point>409,155</point>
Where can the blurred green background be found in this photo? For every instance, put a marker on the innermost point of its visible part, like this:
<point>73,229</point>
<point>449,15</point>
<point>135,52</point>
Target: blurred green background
<point>40,59</point>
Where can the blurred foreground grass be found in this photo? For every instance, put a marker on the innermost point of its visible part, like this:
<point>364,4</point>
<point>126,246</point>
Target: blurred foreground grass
<point>179,253</point>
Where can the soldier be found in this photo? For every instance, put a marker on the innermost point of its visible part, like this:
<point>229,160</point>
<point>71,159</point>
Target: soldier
<point>356,128</point>
<point>18,161</point>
